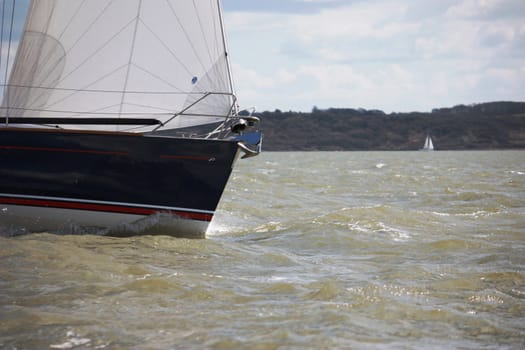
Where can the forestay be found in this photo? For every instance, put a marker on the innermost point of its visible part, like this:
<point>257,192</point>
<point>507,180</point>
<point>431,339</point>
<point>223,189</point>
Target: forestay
<point>122,59</point>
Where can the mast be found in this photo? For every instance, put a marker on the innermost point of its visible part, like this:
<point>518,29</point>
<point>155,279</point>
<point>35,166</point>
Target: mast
<point>6,92</point>
<point>228,65</point>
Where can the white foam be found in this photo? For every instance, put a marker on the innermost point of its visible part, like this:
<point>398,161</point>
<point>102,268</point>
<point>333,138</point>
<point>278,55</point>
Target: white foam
<point>73,341</point>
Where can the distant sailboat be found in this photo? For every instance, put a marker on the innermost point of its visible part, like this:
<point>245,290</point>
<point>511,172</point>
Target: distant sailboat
<point>428,146</point>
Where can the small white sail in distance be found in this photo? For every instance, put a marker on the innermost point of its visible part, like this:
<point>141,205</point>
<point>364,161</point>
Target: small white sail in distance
<point>429,145</point>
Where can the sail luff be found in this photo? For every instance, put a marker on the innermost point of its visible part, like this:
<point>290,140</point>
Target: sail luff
<point>228,64</point>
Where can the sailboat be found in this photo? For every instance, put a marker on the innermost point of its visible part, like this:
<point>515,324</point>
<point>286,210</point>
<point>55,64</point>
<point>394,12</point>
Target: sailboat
<point>120,116</point>
<point>428,146</point>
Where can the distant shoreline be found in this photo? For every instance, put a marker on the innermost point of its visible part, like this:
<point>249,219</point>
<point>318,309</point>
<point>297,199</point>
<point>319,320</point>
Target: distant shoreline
<point>484,126</point>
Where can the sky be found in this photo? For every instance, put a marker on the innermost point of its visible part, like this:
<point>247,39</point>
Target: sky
<point>392,55</point>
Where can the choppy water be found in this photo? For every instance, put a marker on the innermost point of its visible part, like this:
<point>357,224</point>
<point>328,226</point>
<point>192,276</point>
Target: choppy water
<point>357,250</point>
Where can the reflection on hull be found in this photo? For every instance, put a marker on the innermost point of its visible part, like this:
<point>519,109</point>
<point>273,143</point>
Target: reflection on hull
<point>16,220</point>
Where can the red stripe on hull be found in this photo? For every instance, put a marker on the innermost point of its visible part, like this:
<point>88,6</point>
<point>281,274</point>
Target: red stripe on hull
<point>111,208</point>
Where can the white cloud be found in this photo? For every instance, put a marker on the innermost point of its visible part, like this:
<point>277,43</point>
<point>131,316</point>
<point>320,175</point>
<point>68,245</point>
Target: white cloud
<point>251,79</point>
<point>363,20</point>
<point>394,55</point>
<point>487,9</point>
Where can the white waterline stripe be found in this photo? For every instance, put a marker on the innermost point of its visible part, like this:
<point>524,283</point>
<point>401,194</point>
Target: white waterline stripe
<point>75,200</point>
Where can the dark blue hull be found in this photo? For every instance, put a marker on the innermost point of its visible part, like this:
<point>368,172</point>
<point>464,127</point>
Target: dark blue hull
<point>123,177</point>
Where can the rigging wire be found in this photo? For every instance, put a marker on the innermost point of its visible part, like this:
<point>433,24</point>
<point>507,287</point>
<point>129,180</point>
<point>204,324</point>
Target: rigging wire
<point>10,38</point>
<point>2,39</point>
<point>188,39</point>
<point>235,108</point>
<point>180,92</point>
<point>6,91</point>
<point>204,38</point>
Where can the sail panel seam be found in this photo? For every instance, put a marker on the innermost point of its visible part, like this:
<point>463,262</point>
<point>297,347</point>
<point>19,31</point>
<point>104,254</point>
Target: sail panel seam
<point>202,31</point>
<point>131,52</point>
<point>166,47</point>
<point>187,38</point>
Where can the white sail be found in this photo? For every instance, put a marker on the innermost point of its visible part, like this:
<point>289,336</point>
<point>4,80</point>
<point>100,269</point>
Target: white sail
<point>122,59</point>
<point>428,146</point>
